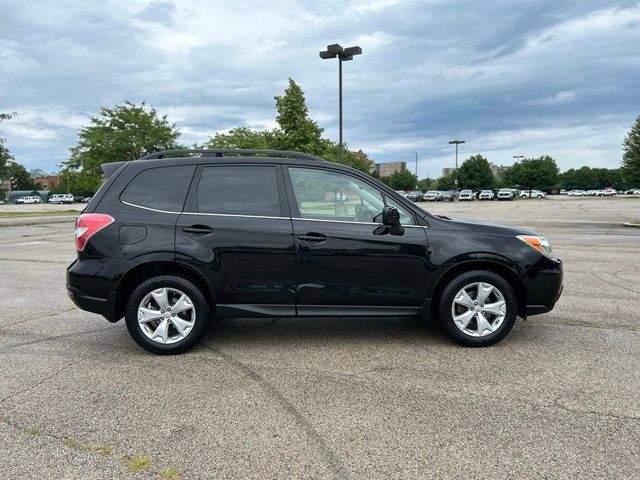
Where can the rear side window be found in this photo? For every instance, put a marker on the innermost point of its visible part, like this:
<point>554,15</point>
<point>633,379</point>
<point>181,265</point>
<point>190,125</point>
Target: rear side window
<point>162,188</point>
<point>239,190</point>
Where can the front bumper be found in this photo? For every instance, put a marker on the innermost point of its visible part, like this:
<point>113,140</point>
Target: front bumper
<point>543,286</point>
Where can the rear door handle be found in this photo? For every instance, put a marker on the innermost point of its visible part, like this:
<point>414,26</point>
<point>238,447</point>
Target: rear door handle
<point>198,230</point>
<point>313,237</point>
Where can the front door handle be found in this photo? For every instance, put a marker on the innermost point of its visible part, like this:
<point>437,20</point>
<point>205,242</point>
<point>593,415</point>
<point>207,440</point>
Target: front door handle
<point>198,230</point>
<point>313,237</point>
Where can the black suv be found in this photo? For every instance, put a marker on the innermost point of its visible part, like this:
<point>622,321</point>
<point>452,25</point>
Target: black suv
<point>171,243</point>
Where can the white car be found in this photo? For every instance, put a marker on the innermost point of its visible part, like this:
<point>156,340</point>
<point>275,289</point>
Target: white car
<point>28,200</point>
<point>61,198</point>
<point>432,196</point>
<point>486,195</point>
<point>591,193</point>
<point>505,194</point>
<point>577,193</point>
<point>466,195</point>
<point>609,192</point>
<point>534,194</point>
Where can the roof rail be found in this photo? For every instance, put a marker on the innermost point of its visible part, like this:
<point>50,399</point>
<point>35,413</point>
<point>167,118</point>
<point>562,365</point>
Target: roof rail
<point>224,152</point>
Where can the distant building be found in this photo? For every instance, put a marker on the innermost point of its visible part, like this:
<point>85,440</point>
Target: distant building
<point>447,171</point>
<point>5,186</point>
<point>389,168</point>
<point>47,183</point>
<point>497,170</point>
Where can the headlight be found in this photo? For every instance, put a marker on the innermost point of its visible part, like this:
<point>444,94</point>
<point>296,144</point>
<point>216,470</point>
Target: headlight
<point>541,244</point>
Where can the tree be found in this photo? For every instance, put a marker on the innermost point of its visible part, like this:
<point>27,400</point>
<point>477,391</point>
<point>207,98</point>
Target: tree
<point>358,160</point>
<point>583,178</point>
<point>475,173</point>
<point>5,155</point>
<point>631,155</point>
<point>446,182</point>
<point>402,180</point>
<point>19,177</point>
<point>297,130</point>
<point>540,173</point>
<point>82,183</point>
<point>242,137</point>
<point>123,132</point>
<point>425,184</point>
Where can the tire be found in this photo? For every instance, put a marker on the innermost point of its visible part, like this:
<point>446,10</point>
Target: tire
<point>502,322</point>
<point>194,320</point>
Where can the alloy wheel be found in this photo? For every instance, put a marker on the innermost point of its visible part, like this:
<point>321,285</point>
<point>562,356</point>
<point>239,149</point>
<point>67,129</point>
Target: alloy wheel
<point>166,315</point>
<point>478,309</point>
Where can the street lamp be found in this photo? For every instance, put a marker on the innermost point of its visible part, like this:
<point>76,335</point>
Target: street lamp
<point>518,157</point>
<point>416,154</point>
<point>456,143</point>
<point>344,55</point>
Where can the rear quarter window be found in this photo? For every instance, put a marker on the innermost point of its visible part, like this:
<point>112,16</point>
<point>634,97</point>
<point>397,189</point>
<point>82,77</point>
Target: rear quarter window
<point>160,188</point>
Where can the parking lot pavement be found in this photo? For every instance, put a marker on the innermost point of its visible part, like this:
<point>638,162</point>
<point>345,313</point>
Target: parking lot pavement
<point>331,398</point>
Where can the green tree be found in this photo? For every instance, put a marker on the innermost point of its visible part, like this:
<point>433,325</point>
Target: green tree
<point>583,178</point>
<point>123,132</point>
<point>446,182</point>
<point>297,130</point>
<point>19,177</point>
<point>358,160</point>
<point>475,173</point>
<point>631,155</point>
<point>402,180</point>
<point>242,137</point>
<point>425,184</point>
<point>5,155</point>
<point>540,173</point>
<point>82,183</point>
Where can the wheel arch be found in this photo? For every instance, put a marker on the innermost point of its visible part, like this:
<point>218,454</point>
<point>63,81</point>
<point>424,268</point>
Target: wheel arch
<point>144,271</point>
<point>505,271</point>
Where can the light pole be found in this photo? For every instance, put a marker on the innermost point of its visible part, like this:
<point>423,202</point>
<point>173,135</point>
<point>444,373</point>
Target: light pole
<point>456,143</point>
<point>416,154</point>
<point>518,157</point>
<point>344,55</point>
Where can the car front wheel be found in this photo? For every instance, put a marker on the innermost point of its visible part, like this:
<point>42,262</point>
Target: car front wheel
<point>167,315</point>
<point>478,308</point>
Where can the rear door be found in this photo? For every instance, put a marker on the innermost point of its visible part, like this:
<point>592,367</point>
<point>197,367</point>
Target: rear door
<point>344,264</point>
<point>236,229</point>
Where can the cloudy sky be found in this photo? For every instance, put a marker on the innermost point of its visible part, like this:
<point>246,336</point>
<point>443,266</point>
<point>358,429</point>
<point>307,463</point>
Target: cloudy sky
<point>510,78</point>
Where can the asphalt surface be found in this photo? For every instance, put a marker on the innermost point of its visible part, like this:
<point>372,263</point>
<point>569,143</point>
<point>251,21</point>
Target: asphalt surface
<point>363,398</point>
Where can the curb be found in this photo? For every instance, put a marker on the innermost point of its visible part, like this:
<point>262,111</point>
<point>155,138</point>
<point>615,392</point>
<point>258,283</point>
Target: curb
<point>36,221</point>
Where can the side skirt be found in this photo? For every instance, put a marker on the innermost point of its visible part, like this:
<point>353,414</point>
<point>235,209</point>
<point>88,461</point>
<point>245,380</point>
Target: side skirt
<point>258,310</point>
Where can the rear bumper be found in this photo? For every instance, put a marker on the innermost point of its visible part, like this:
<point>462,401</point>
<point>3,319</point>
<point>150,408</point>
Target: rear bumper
<point>82,291</point>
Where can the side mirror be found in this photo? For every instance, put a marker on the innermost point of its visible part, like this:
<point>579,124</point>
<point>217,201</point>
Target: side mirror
<point>390,222</point>
<point>390,216</point>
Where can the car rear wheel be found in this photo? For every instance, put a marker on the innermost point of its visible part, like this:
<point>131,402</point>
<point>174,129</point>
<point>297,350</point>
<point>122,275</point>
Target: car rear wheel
<point>478,308</point>
<point>167,315</point>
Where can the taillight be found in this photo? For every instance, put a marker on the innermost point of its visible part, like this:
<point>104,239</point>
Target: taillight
<point>88,224</point>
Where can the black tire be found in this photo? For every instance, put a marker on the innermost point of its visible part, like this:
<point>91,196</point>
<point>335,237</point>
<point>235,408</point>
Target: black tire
<point>202,314</point>
<point>458,283</point>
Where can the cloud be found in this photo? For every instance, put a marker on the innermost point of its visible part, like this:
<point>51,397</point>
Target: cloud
<point>540,77</point>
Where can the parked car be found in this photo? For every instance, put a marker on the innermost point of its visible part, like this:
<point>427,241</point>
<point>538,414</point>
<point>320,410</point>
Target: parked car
<point>61,198</point>
<point>466,195</point>
<point>170,243</point>
<point>86,199</point>
<point>31,199</point>
<point>401,192</point>
<point>433,196</point>
<point>505,194</point>
<point>447,196</point>
<point>610,192</point>
<point>577,193</point>
<point>563,191</point>
<point>591,193</point>
<point>486,195</point>
<point>414,196</point>
<point>533,194</point>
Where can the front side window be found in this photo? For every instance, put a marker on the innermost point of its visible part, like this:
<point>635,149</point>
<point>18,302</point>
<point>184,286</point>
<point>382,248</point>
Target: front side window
<point>326,195</point>
<point>162,188</point>
<point>239,190</point>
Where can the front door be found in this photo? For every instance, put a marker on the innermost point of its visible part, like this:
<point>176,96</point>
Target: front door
<point>342,259</point>
<point>237,230</point>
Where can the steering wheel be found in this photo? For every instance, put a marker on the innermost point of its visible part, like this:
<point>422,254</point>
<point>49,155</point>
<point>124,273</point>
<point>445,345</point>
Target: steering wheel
<point>363,214</point>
